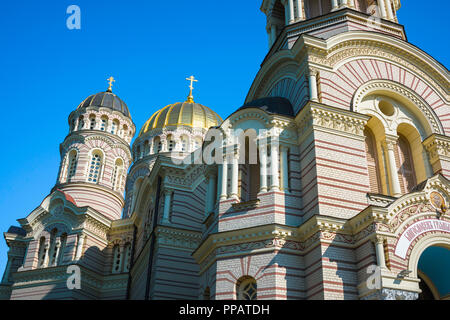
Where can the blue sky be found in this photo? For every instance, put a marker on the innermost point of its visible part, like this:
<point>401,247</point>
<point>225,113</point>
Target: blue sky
<point>150,47</point>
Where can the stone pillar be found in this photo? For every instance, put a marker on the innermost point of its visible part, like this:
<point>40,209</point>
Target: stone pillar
<point>291,11</point>
<point>57,249</point>
<point>121,258</point>
<point>224,180</point>
<point>274,166</point>
<point>235,176</point>
<point>379,249</point>
<point>382,5</point>
<point>300,15</point>
<point>344,3</point>
<point>80,245</point>
<point>313,85</point>
<point>351,3</point>
<point>390,144</point>
<point>46,253</point>
<point>263,167</point>
<point>284,168</point>
<point>334,5</point>
<point>389,12</point>
<point>167,202</point>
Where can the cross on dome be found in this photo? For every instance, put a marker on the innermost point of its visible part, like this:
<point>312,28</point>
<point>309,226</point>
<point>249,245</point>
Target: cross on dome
<point>110,80</point>
<point>190,98</point>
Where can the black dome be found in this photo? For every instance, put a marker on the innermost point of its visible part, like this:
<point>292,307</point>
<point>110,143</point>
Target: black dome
<point>276,105</point>
<point>106,100</point>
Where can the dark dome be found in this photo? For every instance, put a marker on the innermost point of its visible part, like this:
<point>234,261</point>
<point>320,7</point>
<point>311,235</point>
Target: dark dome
<point>106,100</point>
<point>276,105</point>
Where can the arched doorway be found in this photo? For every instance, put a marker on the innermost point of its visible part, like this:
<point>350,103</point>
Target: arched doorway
<point>433,270</point>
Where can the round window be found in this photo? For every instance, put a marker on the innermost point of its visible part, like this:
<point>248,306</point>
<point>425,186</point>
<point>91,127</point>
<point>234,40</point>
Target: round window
<point>386,108</point>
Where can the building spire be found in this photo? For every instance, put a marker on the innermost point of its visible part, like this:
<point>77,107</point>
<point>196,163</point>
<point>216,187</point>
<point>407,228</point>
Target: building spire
<point>110,80</point>
<point>190,98</point>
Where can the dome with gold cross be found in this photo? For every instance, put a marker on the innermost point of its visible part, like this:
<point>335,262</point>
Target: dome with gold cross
<point>186,113</point>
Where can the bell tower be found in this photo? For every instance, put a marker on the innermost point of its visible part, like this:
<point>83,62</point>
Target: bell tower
<point>95,155</point>
<point>316,16</point>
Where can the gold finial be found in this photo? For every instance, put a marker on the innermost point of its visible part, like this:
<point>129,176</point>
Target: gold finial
<point>190,98</point>
<point>110,80</point>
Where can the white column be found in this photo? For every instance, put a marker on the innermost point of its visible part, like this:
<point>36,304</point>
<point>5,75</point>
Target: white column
<point>351,3</point>
<point>390,14</point>
<point>46,254</point>
<point>379,249</point>
<point>291,11</point>
<point>390,144</point>
<point>263,167</point>
<point>167,202</point>
<point>80,247</point>
<point>300,15</point>
<point>57,248</point>
<point>274,165</point>
<point>334,4</point>
<point>382,8</point>
<point>235,176</point>
<point>313,85</point>
<point>284,169</point>
<point>224,182</point>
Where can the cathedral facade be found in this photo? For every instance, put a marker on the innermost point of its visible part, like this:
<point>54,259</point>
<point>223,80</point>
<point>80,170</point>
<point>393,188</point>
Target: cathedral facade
<point>347,199</point>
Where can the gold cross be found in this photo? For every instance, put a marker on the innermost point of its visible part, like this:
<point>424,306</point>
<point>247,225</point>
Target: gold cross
<point>110,80</point>
<point>190,98</point>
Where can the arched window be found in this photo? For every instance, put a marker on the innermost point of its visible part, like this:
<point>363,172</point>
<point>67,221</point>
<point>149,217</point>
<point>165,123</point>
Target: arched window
<point>62,249</point>
<point>127,260</point>
<point>117,175</point>
<point>197,143</point>
<point>146,148</point>
<point>249,172</point>
<point>372,162</point>
<point>95,166</point>
<point>157,145</point>
<point>80,123</point>
<point>114,126</point>
<point>405,165</point>
<point>103,123</point>
<point>117,259</point>
<point>54,247</point>
<point>92,122</point>
<point>170,143</point>
<point>184,144</point>
<point>247,289</point>
<point>72,165</point>
<point>42,253</point>
<point>138,153</point>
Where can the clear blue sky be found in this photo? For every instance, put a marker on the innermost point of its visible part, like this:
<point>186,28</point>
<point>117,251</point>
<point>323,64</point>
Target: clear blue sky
<point>150,47</point>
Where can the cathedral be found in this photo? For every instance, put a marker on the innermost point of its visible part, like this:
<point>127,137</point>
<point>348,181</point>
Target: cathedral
<point>346,199</point>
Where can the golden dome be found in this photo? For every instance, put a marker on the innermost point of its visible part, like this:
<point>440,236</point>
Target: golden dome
<point>182,114</point>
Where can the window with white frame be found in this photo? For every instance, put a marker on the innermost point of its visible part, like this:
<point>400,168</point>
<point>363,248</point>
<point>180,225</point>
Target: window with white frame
<point>114,126</point>
<point>72,165</point>
<point>95,167</point>
<point>92,122</point>
<point>103,124</point>
<point>117,175</point>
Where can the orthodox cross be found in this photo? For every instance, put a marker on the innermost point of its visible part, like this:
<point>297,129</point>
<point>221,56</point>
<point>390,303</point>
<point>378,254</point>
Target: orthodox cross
<point>110,80</point>
<point>191,87</point>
